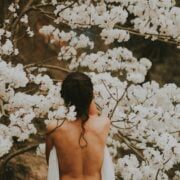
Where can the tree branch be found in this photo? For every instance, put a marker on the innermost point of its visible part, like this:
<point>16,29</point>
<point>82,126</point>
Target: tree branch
<point>117,102</point>
<point>25,10</point>
<point>1,12</point>
<point>29,7</point>
<point>47,66</point>
<point>157,174</point>
<point>108,91</point>
<point>160,37</point>
<point>112,123</point>
<point>134,149</point>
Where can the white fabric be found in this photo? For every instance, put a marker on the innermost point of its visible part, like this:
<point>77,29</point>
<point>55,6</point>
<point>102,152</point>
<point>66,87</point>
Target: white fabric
<point>107,170</point>
<point>53,169</point>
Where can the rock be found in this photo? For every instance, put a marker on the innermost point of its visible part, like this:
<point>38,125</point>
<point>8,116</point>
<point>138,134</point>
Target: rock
<point>27,166</point>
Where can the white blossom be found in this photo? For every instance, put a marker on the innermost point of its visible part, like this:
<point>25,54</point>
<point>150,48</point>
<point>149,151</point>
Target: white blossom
<point>6,48</point>
<point>24,19</point>
<point>12,7</point>
<point>41,150</point>
<point>5,140</point>
<point>30,32</point>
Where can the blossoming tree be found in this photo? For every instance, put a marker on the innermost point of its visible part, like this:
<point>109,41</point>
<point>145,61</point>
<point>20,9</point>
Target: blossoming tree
<point>144,136</point>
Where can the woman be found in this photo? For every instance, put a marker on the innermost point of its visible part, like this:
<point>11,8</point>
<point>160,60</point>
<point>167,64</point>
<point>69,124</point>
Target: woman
<point>76,150</point>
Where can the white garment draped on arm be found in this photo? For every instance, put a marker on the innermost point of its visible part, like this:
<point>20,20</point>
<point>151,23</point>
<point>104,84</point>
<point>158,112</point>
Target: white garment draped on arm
<point>107,170</point>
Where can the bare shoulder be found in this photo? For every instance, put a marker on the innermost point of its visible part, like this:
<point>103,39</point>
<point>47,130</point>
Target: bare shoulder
<point>99,126</point>
<point>51,126</point>
<point>105,121</point>
<point>101,122</point>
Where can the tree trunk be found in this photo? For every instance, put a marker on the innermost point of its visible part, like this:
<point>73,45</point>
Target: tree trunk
<point>1,12</point>
<point>2,170</point>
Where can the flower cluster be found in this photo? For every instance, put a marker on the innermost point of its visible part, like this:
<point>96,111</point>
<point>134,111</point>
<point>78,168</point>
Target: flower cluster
<point>6,48</point>
<point>118,60</point>
<point>85,14</point>
<point>70,41</point>
<point>22,108</point>
<point>10,78</point>
<point>148,115</point>
<point>5,140</point>
<point>154,17</point>
<point>109,35</point>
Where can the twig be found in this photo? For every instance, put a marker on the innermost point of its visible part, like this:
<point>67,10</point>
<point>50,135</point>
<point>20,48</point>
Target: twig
<point>2,106</point>
<point>67,7</point>
<point>174,132</point>
<point>117,102</point>
<point>157,174</point>
<point>49,14</point>
<point>25,10</point>
<point>108,90</point>
<point>46,5</point>
<point>126,141</point>
<point>46,13</point>
<point>46,66</point>
<point>30,90</point>
<point>124,127</point>
<point>161,168</point>
<point>160,37</point>
<point>57,80</point>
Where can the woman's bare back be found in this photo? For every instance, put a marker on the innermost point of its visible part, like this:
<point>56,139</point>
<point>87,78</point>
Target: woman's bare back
<point>76,162</point>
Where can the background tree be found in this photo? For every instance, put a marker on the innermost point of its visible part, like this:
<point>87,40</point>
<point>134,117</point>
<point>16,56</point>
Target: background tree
<point>52,38</point>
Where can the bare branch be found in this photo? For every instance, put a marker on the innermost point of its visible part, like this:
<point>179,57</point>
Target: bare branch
<point>128,143</point>
<point>117,102</point>
<point>108,90</point>
<point>46,66</point>
<point>157,174</point>
<point>174,132</point>
<point>25,10</point>
<point>112,123</point>
<point>160,37</point>
<point>160,169</point>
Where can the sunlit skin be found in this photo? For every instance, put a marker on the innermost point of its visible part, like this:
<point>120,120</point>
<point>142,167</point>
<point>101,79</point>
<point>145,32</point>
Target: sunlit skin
<point>76,163</point>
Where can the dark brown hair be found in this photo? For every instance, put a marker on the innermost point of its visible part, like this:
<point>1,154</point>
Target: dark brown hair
<point>77,90</point>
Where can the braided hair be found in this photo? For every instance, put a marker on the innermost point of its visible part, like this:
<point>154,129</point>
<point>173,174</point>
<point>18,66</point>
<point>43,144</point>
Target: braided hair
<point>77,90</point>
